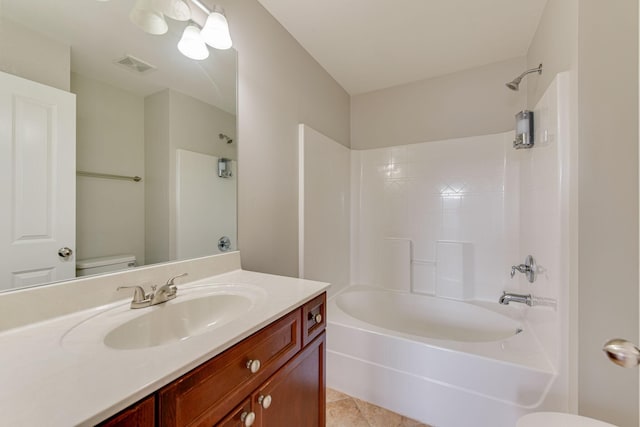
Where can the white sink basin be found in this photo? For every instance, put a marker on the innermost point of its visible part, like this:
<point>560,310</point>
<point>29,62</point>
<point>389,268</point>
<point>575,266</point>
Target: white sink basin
<point>193,312</point>
<point>167,323</point>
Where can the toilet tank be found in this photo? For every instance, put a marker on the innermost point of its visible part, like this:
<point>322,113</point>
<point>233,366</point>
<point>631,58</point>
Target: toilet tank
<point>86,267</point>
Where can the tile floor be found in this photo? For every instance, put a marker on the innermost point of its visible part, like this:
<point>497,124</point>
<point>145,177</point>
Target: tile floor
<point>347,411</point>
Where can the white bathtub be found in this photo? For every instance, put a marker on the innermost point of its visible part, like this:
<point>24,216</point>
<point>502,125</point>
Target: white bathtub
<point>443,362</point>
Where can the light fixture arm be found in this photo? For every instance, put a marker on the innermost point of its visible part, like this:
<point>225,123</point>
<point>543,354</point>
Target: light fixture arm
<point>202,7</point>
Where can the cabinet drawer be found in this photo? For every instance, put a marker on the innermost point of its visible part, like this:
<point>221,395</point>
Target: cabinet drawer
<point>208,393</point>
<point>314,318</point>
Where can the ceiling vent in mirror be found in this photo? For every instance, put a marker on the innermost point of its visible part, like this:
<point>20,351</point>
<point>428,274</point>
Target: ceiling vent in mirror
<point>135,64</point>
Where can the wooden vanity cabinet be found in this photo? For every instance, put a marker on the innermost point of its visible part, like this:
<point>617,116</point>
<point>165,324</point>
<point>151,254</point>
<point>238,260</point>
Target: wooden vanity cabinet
<point>293,396</point>
<point>141,414</point>
<point>287,389</point>
<point>291,355</point>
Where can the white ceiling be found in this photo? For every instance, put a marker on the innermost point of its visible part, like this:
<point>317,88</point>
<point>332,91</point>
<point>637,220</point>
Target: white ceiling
<point>100,33</point>
<point>373,44</point>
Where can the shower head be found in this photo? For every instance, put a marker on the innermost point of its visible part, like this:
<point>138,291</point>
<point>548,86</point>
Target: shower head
<point>225,137</point>
<point>515,83</point>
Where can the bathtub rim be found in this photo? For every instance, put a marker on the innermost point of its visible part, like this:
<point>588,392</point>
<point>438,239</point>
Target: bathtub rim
<point>525,343</point>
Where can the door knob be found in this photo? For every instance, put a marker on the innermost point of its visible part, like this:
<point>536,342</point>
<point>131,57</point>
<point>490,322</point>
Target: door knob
<point>65,252</point>
<point>622,352</point>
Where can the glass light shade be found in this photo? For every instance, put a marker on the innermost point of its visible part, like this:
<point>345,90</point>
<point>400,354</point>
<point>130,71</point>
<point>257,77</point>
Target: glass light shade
<point>191,44</point>
<point>174,9</point>
<point>215,32</point>
<point>147,18</point>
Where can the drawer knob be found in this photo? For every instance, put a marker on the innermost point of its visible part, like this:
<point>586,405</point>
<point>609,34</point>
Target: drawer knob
<point>253,366</point>
<point>248,418</point>
<point>264,401</point>
<point>315,318</point>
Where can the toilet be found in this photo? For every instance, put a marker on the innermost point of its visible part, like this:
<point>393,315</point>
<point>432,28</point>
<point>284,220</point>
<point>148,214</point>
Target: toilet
<point>558,419</point>
<point>89,266</point>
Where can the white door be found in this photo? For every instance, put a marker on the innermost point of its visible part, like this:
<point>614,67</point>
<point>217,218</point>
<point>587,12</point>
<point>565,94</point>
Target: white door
<point>37,182</point>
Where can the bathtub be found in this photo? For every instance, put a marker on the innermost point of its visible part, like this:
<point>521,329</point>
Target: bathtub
<point>443,362</point>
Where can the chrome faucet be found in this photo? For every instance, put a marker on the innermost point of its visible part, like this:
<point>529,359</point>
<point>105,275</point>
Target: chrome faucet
<point>506,298</point>
<point>165,293</point>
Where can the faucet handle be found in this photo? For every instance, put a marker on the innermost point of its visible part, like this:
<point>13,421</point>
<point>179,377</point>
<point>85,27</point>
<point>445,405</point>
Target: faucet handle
<point>513,270</point>
<point>138,293</point>
<point>170,281</point>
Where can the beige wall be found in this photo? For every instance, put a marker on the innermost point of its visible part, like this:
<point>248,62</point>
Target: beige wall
<point>195,126</point>
<point>110,139</point>
<point>555,45</point>
<point>279,86</point>
<point>608,204</point>
<point>156,156</point>
<point>468,103</point>
<point>33,56</point>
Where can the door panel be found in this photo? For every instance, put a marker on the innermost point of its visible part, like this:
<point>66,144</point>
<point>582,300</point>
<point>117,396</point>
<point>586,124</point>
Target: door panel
<point>37,181</point>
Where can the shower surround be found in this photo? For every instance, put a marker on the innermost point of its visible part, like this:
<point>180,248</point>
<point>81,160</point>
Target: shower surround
<point>448,219</point>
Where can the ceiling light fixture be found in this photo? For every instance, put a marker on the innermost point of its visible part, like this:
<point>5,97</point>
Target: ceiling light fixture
<point>174,9</point>
<point>150,20</point>
<point>191,44</point>
<point>215,32</point>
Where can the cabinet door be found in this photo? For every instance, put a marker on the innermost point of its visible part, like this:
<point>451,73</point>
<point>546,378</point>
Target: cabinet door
<point>295,395</point>
<point>141,414</point>
<point>241,416</point>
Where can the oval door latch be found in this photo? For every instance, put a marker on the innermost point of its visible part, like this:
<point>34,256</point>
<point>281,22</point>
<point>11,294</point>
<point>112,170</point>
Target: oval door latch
<point>65,252</point>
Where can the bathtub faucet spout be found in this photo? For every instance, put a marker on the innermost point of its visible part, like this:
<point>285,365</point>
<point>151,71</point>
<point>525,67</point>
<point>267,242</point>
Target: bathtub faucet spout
<point>506,298</point>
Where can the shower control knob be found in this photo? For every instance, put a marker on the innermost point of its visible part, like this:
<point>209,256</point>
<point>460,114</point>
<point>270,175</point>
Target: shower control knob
<point>264,401</point>
<point>248,418</point>
<point>253,366</point>
<point>224,244</point>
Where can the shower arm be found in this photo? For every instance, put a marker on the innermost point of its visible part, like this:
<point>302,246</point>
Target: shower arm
<point>538,69</point>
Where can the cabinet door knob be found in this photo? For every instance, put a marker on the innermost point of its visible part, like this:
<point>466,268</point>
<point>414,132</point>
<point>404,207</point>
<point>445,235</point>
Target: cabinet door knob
<point>264,401</point>
<point>248,418</point>
<point>253,366</point>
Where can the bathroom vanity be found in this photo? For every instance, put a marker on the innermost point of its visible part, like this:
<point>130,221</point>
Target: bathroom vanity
<point>234,348</point>
<point>275,377</point>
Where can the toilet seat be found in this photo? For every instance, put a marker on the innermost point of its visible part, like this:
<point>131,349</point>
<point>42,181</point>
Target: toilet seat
<point>559,419</point>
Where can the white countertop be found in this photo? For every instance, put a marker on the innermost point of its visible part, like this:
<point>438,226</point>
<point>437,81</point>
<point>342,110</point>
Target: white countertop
<point>47,381</point>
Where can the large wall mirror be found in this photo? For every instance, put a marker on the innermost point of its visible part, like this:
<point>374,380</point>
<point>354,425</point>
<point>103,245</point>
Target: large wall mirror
<point>153,160</point>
